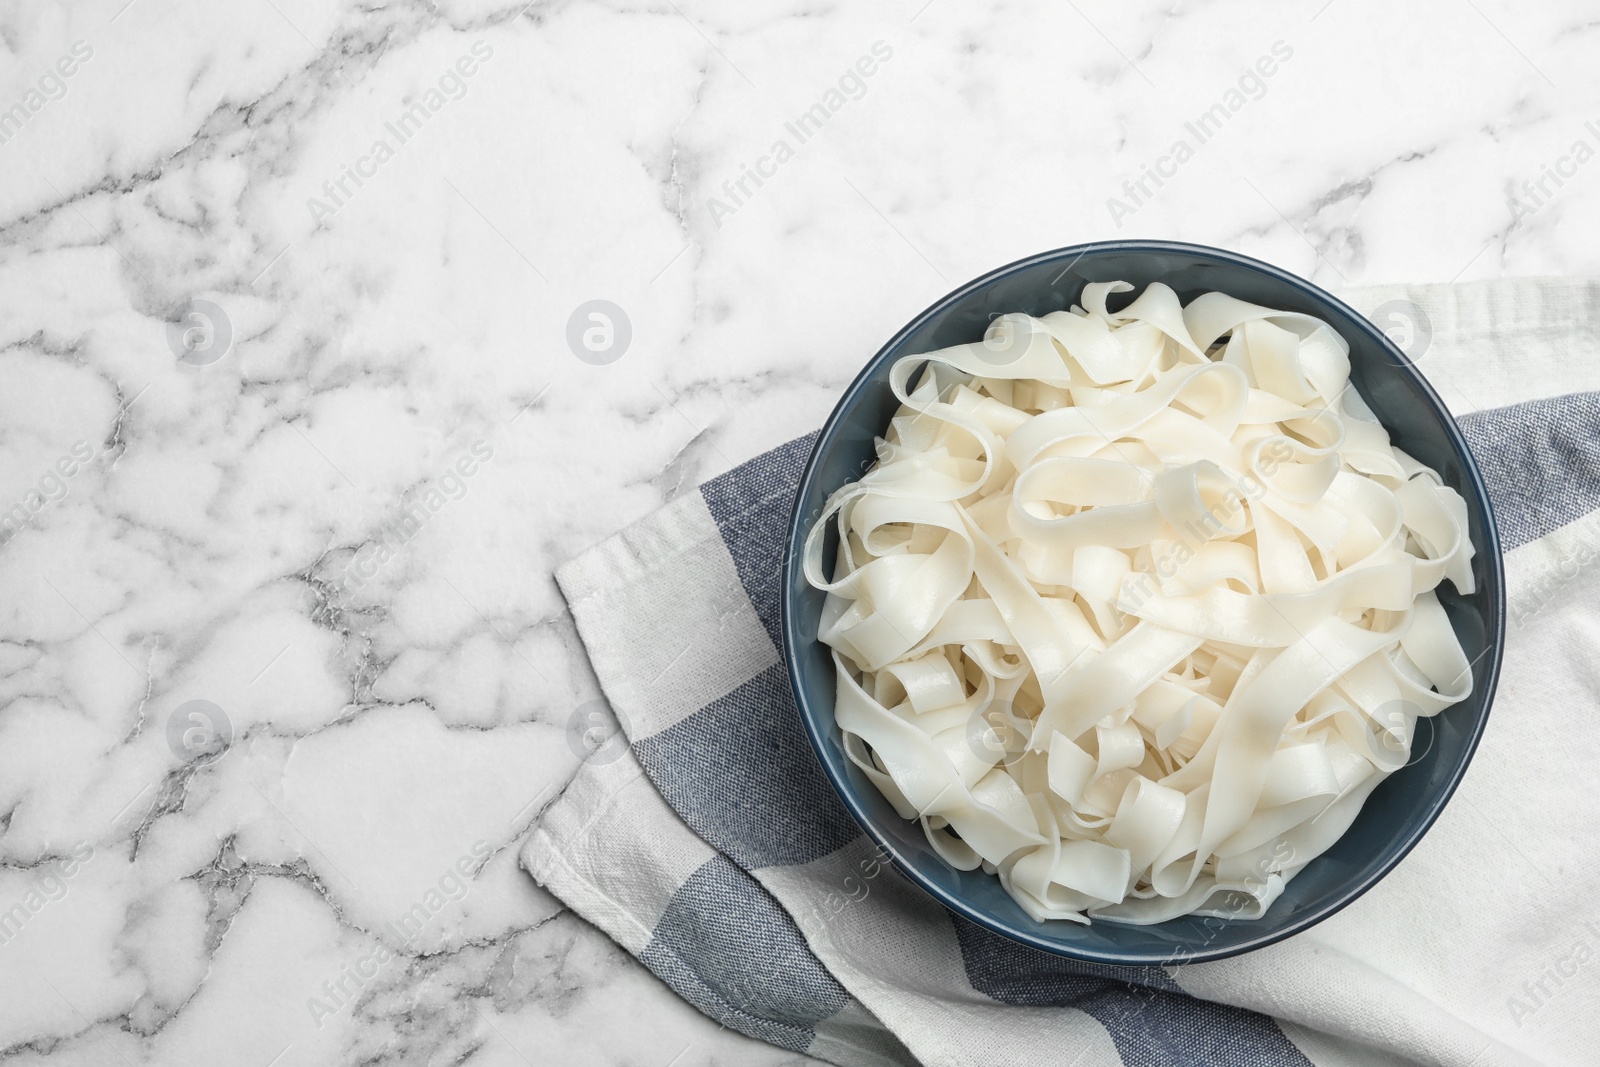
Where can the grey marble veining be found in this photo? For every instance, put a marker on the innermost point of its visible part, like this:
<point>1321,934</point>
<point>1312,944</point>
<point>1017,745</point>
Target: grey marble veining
<point>301,401</point>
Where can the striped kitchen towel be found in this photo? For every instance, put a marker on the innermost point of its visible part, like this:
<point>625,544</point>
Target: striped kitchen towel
<point>711,847</point>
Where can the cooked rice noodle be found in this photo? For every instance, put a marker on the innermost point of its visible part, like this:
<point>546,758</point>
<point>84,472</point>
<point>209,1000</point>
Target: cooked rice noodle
<point>1136,608</point>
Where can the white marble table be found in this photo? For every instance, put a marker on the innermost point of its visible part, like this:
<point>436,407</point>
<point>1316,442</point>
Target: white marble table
<point>292,434</point>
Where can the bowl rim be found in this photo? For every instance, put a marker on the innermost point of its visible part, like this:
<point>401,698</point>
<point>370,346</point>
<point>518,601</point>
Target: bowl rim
<point>795,539</point>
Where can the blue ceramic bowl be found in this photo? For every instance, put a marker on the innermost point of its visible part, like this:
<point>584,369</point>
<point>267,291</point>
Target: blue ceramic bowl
<point>1398,813</point>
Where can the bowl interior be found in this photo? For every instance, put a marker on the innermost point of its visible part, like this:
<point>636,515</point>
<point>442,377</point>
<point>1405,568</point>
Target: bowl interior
<point>1398,812</point>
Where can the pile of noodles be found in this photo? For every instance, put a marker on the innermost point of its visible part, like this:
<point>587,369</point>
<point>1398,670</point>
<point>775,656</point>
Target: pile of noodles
<point>1136,608</point>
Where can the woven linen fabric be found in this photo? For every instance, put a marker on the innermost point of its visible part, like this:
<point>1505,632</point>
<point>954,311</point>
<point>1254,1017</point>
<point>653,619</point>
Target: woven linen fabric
<point>711,846</point>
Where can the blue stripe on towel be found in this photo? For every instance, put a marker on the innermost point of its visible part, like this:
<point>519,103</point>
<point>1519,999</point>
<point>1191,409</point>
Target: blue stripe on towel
<point>751,506</point>
<point>725,946</point>
<point>1151,1020</point>
<point>742,775</point>
<point>1541,461</point>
